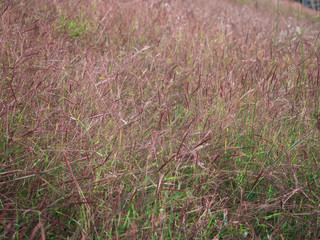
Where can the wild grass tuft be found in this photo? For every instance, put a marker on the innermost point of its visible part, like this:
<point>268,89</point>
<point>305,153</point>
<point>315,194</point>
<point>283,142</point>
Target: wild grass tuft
<point>158,120</point>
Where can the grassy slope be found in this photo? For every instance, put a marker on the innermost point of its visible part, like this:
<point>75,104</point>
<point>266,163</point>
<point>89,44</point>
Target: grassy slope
<point>183,120</point>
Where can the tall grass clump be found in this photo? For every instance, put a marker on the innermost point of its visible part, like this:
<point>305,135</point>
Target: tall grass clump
<point>157,120</point>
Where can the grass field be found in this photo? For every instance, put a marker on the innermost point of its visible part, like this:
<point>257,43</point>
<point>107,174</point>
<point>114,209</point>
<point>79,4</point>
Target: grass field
<point>181,119</point>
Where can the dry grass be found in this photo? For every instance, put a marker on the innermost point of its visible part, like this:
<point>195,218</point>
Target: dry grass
<point>158,120</point>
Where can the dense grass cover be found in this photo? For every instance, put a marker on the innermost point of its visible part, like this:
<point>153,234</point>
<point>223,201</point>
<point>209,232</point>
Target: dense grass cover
<point>186,119</point>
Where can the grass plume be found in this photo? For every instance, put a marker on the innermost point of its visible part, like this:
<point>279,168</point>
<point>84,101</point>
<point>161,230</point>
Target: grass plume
<point>185,119</point>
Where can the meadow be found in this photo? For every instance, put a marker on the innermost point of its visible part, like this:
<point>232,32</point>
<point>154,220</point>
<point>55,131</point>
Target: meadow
<point>172,119</point>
